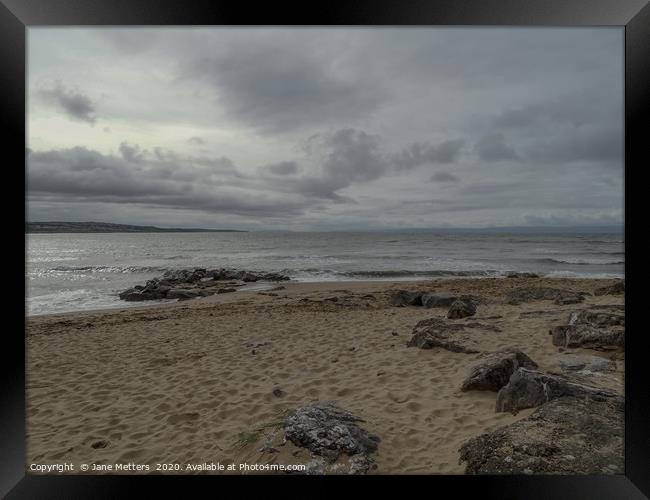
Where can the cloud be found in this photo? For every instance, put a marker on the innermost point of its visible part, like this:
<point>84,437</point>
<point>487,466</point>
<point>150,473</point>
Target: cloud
<point>75,104</point>
<point>599,143</point>
<point>419,153</point>
<point>279,85</point>
<point>131,153</point>
<point>282,168</point>
<point>196,140</point>
<point>445,177</point>
<point>165,180</point>
<point>492,147</point>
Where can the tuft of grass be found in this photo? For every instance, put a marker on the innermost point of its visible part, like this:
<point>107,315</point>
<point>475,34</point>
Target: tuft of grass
<point>246,438</point>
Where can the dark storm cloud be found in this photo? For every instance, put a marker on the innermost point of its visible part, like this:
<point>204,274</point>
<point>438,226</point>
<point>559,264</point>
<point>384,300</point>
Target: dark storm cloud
<point>478,124</point>
<point>276,86</point>
<point>444,177</point>
<point>350,156</point>
<point>75,104</point>
<point>165,180</point>
<point>493,147</point>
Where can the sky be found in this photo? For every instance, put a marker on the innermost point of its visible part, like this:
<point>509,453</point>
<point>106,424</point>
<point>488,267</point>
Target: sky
<point>326,128</point>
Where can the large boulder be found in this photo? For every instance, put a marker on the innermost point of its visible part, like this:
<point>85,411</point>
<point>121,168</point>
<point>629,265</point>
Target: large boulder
<point>494,371</point>
<point>330,432</point>
<point>565,436</point>
<point>529,388</point>
<point>455,337</point>
<point>528,294</point>
<point>594,328</point>
<point>461,309</point>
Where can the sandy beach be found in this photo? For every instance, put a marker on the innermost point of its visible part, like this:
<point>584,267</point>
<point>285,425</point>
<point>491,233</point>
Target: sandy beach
<point>204,380</point>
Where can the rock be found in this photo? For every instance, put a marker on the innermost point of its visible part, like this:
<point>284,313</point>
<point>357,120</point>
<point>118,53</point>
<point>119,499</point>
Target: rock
<point>278,393</point>
<point>403,298</point>
<point>529,388</point>
<point>586,364</point>
<point>102,443</point>
<point>455,337</point>
<point>495,370</point>
<point>182,294</point>
<point>514,274</point>
<point>133,294</point>
<point>564,436</point>
<point>330,432</point>
<point>615,289</point>
<point>563,300</point>
<point>430,300</point>
<point>599,316</point>
<point>226,290</point>
<point>199,279</point>
<point>528,294</point>
<point>461,309</point>
<point>593,328</point>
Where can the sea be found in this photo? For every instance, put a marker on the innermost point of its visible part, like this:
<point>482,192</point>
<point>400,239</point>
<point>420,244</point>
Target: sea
<point>74,272</point>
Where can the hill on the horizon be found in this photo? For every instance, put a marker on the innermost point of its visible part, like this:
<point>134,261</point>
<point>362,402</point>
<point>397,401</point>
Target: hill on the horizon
<point>107,227</point>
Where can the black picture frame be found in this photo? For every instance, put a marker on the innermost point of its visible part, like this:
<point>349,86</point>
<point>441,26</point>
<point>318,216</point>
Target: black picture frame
<point>17,15</point>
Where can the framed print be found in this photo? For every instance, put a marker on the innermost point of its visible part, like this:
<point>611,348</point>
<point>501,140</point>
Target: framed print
<point>369,242</point>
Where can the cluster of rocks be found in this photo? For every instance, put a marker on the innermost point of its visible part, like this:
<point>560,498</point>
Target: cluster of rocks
<point>578,425</point>
<point>528,294</point>
<point>186,284</point>
<point>331,434</point>
<point>459,306</point>
<point>601,328</point>
<point>577,428</point>
<point>568,435</point>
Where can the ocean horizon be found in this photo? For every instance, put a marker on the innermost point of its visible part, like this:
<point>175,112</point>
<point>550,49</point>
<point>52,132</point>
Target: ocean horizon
<point>83,271</point>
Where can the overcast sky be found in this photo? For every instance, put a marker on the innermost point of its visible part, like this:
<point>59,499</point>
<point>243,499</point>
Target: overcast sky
<point>326,129</point>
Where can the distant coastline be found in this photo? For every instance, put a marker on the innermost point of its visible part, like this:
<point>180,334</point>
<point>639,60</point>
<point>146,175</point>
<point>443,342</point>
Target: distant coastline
<point>106,227</point>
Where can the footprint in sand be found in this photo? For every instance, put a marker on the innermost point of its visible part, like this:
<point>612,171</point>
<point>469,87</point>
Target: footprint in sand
<point>398,398</point>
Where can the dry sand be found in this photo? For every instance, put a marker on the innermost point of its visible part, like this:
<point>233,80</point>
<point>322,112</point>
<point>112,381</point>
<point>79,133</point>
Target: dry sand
<point>180,383</point>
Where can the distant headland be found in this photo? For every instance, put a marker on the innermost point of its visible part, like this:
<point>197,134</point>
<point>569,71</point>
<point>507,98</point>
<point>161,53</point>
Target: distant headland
<point>107,227</point>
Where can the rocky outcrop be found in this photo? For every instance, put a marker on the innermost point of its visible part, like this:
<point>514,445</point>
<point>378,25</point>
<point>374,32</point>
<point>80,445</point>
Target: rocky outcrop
<point>565,436</point>
<point>330,432</point>
<point>529,388</point>
<point>494,371</point>
<point>615,289</point>
<point>528,294</point>
<point>455,337</point>
<point>185,284</point>
<point>461,309</point>
<point>594,328</point>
